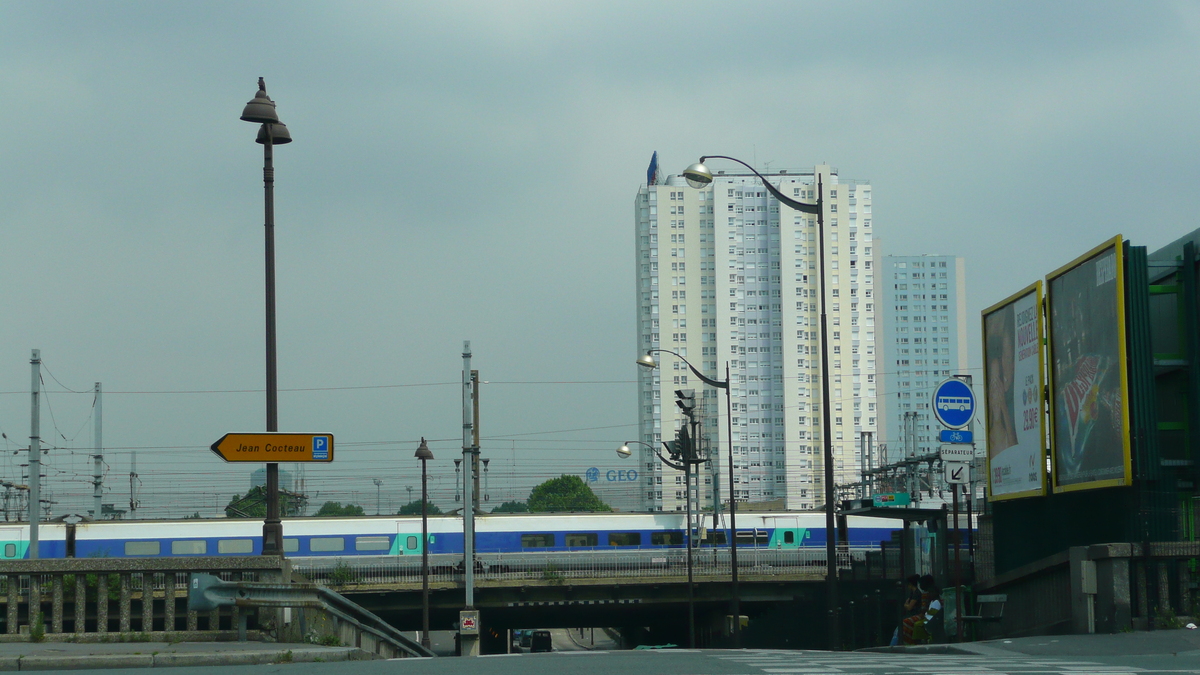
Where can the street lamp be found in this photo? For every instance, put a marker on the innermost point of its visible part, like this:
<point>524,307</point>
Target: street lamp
<point>261,110</point>
<point>647,361</point>
<point>424,454</point>
<point>698,176</point>
<point>486,496</point>
<point>682,459</point>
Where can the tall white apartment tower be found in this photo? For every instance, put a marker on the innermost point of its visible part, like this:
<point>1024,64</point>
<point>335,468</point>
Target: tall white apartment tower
<point>923,341</point>
<point>726,275</point>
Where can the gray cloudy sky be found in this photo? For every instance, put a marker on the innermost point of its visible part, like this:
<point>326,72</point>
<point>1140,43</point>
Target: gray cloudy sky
<point>466,170</point>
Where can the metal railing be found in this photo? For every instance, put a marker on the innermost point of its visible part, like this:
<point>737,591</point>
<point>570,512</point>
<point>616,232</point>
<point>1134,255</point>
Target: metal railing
<point>350,623</point>
<point>556,568</point>
<point>119,595</point>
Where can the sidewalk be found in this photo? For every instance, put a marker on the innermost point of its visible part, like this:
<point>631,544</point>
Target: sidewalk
<point>1160,642</point>
<point>74,655</point>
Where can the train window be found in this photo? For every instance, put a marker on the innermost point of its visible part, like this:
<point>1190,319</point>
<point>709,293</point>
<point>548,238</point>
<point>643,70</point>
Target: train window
<point>582,539</point>
<point>323,544</point>
<point>755,537</point>
<point>236,546</point>
<point>537,540</point>
<point>143,548</point>
<point>372,544</point>
<point>412,543</point>
<point>715,538</point>
<point>189,547</point>
<point>10,550</point>
<point>666,538</point>
<point>789,537</point>
<point>291,544</point>
<point>624,538</point>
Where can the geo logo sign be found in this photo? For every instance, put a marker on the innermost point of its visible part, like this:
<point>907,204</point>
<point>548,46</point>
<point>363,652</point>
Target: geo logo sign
<point>953,403</point>
<point>592,475</point>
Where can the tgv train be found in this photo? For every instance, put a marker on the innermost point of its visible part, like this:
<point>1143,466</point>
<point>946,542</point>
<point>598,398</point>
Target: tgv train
<point>401,535</point>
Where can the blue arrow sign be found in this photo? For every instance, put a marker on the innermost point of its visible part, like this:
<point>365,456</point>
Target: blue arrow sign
<point>954,403</point>
<point>956,436</point>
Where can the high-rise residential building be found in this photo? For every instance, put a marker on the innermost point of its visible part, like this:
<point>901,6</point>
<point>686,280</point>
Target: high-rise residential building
<point>726,276</point>
<point>924,341</point>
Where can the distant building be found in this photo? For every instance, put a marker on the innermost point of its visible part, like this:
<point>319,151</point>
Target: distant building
<point>258,478</point>
<point>724,275</point>
<point>924,341</point>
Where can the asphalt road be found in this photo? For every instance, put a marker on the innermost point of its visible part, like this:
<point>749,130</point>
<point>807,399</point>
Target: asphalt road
<point>1141,653</point>
<point>728,662</point>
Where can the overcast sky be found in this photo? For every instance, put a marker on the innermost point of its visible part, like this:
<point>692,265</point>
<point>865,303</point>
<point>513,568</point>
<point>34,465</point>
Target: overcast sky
<point>466,171</point>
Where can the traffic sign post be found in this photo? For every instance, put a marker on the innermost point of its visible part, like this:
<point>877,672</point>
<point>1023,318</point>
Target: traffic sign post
<point>274,447</point>
<point>954,406</point>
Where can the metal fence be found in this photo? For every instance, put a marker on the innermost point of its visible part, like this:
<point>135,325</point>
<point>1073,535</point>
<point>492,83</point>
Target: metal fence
<point>555,568</point>
<point>110,595</point>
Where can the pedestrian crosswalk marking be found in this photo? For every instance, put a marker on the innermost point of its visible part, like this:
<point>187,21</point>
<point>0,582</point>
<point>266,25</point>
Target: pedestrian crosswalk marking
<point>831,663</point>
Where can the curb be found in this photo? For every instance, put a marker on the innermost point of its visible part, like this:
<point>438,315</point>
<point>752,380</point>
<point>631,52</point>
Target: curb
<point>962,649</point>
<point>172,659</point>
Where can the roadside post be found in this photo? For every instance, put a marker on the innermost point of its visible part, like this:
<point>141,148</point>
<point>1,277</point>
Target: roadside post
<point>954,407</point>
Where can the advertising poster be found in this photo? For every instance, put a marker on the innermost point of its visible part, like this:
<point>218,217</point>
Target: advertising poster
<point>1014,408</point>
<point>1089,437</point>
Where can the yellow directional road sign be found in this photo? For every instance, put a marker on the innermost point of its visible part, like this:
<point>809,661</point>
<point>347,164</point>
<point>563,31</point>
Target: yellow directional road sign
<point>275,447</point>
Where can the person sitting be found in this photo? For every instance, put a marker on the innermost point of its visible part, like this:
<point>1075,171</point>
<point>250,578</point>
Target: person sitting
<point>920,628</point>
<point>912,603</point>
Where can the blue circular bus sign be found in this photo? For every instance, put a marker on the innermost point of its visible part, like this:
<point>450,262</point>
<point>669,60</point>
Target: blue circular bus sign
<point>954,403</point>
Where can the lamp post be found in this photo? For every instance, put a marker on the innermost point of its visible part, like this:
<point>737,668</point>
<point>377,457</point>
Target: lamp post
<point>647,361</point>
<point>698,176</point>
<point>261,110</point>
<point>682,459</point>
<point>424,454</point>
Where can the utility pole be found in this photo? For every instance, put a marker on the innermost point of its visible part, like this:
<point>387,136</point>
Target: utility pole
<point>468,618</point>
<point>475,438</point>
<point>35,453</point>
<point>98,476</point>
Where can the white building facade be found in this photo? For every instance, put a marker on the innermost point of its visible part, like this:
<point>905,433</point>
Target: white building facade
<point>924,341</point>
<point>728,276</point>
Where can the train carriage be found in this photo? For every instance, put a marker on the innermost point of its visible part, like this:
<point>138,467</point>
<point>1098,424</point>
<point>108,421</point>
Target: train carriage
<point>401,535</point>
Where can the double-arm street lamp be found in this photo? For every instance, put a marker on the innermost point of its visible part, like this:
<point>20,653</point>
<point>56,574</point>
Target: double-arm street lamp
<point>647,361</point>
<point>682,458</point>
<point>261,110</point>
<point>698,176</point>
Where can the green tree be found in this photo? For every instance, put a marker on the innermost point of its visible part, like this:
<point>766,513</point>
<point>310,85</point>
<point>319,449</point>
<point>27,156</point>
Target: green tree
<point>565,493</point>
<point>413,508</point>
<point>336,509</point>
<point>512,507</point>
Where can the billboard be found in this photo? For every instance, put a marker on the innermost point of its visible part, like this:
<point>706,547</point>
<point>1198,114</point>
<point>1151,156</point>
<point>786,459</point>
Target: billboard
<point>1089,383</point>
<point>1014,408</point>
